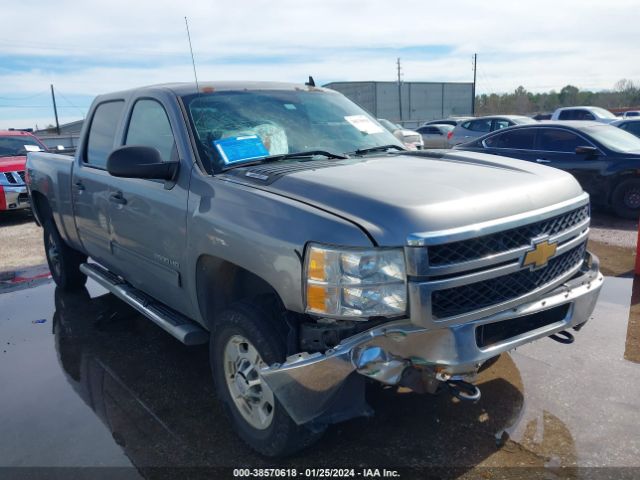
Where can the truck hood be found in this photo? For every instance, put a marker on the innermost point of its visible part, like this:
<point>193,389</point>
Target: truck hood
<point>12,164</point>
<point>393,196</point>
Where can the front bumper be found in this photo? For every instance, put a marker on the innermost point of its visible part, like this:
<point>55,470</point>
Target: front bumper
<point>14,198</point>
<point>307,385</point>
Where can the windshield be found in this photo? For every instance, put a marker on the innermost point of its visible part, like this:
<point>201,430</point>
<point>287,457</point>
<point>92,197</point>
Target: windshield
<point>18,145</point>
<point>388,125</point>
<point>602,113</point>
<point>614,138</point>
<point>232,127</point>
<point>524,120</point>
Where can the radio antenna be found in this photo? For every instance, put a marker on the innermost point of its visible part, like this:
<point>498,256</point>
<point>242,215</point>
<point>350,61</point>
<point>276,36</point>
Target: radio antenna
<point>193,61</point>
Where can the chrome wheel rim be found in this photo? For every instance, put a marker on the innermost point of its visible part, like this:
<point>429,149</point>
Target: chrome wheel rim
<point>252,397</point>
<point>53,255</point>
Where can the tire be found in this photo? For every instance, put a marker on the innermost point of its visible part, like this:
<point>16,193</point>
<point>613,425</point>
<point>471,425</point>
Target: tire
<point>64,262</point>
<point>262,422</point>
<point>625,199</point>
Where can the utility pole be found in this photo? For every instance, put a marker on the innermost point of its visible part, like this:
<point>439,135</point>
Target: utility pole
<point>55,110</point>
<point>399,88</point>
<point>473,90</point>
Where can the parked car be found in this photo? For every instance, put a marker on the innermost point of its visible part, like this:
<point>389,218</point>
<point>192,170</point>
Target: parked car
<point>603,158</point>
<point>447,121</point>
<point>409,138</point>
<point>596,114</point>
<point>631,125</point>
<point>14,145</point>
<point>631,114</point>
<point>436,136</point>
<point>470,129</point>
<point>283,226</point>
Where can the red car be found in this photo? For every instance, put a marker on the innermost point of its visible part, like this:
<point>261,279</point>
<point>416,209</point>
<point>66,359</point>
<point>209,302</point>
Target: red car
<point>14,145</point>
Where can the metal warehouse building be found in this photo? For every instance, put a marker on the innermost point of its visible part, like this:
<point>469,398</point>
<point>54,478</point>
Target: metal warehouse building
<point>421,101</point>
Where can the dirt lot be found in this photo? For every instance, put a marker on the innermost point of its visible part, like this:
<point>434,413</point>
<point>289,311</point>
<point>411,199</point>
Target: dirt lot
<point>21,241</point>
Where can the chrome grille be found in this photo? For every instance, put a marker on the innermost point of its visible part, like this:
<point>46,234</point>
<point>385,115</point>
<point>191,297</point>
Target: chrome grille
<point>472,249</point>
<point>467,298</point>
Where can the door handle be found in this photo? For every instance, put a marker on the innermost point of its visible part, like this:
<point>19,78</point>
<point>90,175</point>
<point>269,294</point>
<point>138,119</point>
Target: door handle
<point>118,198</point>
<point>79,186</point>
<point>542,160</point>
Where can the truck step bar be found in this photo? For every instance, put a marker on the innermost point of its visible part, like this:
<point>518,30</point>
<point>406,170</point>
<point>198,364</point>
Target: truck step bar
<point>169,320</point>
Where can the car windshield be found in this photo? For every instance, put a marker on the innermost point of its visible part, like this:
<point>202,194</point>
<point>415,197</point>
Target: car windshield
<point>18,145</point>
<point>603,113</point>
<point>614,138</point>
<point>235,127</point>
<point>388,125</point>
<point>524,120</point>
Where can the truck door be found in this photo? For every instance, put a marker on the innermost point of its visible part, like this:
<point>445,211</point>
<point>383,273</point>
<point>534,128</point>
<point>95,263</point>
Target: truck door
<point>90,182</point>
<point>148,217</point>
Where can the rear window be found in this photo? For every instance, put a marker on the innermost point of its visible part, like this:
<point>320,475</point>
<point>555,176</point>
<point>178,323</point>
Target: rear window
<point>102,133</point>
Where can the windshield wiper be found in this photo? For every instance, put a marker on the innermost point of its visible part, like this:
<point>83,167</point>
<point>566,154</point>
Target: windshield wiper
<point>381,148</point>
<point>285,156</point>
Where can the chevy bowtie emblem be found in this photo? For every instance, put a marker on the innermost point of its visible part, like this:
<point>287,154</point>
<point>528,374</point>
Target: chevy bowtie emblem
<point>540,255</point>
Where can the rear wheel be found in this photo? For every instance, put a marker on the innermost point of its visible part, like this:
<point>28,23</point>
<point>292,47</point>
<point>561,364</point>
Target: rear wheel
<point>245,340</point>
<point>626,199</point>
<point>64,262</point>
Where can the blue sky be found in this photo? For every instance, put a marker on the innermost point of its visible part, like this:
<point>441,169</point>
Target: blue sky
<point>97,46</point>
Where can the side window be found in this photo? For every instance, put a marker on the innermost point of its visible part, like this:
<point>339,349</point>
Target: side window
<point>483,125</point>
<point>566,115</point>
<point>587,115</point>
<point>466,125</point>
<point>555,140</point>
<point>101,135</point>
<point>516,139</point>
<point>501,123</point>
<point>633,127</point>
<point>149,126</point>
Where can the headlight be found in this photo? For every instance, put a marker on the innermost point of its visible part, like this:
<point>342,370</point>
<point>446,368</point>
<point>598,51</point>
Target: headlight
<point>355,282</point>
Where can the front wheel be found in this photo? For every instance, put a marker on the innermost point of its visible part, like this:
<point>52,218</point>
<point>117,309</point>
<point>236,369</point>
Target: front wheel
<point>64,262</point>
<point>626,199</point>
<point>245,340</point>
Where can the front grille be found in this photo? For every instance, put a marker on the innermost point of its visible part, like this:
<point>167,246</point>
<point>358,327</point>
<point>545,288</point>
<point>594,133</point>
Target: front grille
<point>10,178</point>
<point>472,249</point>
<point>467,298</point>
<point>14,178</point>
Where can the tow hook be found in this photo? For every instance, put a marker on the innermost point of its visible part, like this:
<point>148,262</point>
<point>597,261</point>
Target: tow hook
<point>464,390</point>
<point>563,337</point>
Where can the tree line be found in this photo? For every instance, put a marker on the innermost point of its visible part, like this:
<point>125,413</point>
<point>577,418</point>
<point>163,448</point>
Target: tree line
<point>625,94</point>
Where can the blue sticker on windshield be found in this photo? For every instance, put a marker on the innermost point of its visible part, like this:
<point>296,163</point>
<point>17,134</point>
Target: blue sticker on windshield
<point>239,149</point>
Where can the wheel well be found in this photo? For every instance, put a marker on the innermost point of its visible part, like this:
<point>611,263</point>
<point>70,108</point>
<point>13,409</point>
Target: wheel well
<point>220,283</point>
<point>618,180</point>
<point>40,208</point>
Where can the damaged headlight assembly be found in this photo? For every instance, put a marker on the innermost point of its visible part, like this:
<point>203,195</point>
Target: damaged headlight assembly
<point>355,283</point>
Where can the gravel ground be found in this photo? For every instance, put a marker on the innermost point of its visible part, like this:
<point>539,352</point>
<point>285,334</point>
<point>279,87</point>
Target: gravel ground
<point>613,231</point>
<point>21,241</point>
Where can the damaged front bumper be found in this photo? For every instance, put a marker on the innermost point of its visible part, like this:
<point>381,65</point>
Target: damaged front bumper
<point>311,385</point>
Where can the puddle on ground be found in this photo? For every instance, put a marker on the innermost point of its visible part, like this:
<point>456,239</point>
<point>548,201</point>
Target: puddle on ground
<point>97,384</point>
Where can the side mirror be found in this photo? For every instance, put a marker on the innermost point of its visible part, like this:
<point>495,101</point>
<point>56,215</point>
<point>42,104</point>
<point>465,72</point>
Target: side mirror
<point>587,151</point>
<point>137,161</point>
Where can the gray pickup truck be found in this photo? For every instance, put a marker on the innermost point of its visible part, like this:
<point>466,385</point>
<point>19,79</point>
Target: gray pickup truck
<point>283,225</point>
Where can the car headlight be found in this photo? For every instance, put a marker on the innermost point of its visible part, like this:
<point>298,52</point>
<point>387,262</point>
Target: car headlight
<point>352,283</point>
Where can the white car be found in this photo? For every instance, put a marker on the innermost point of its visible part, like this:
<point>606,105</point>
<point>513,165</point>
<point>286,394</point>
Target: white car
<point>631,114</point>
<point>409,138</point>
<point>596,114</point>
